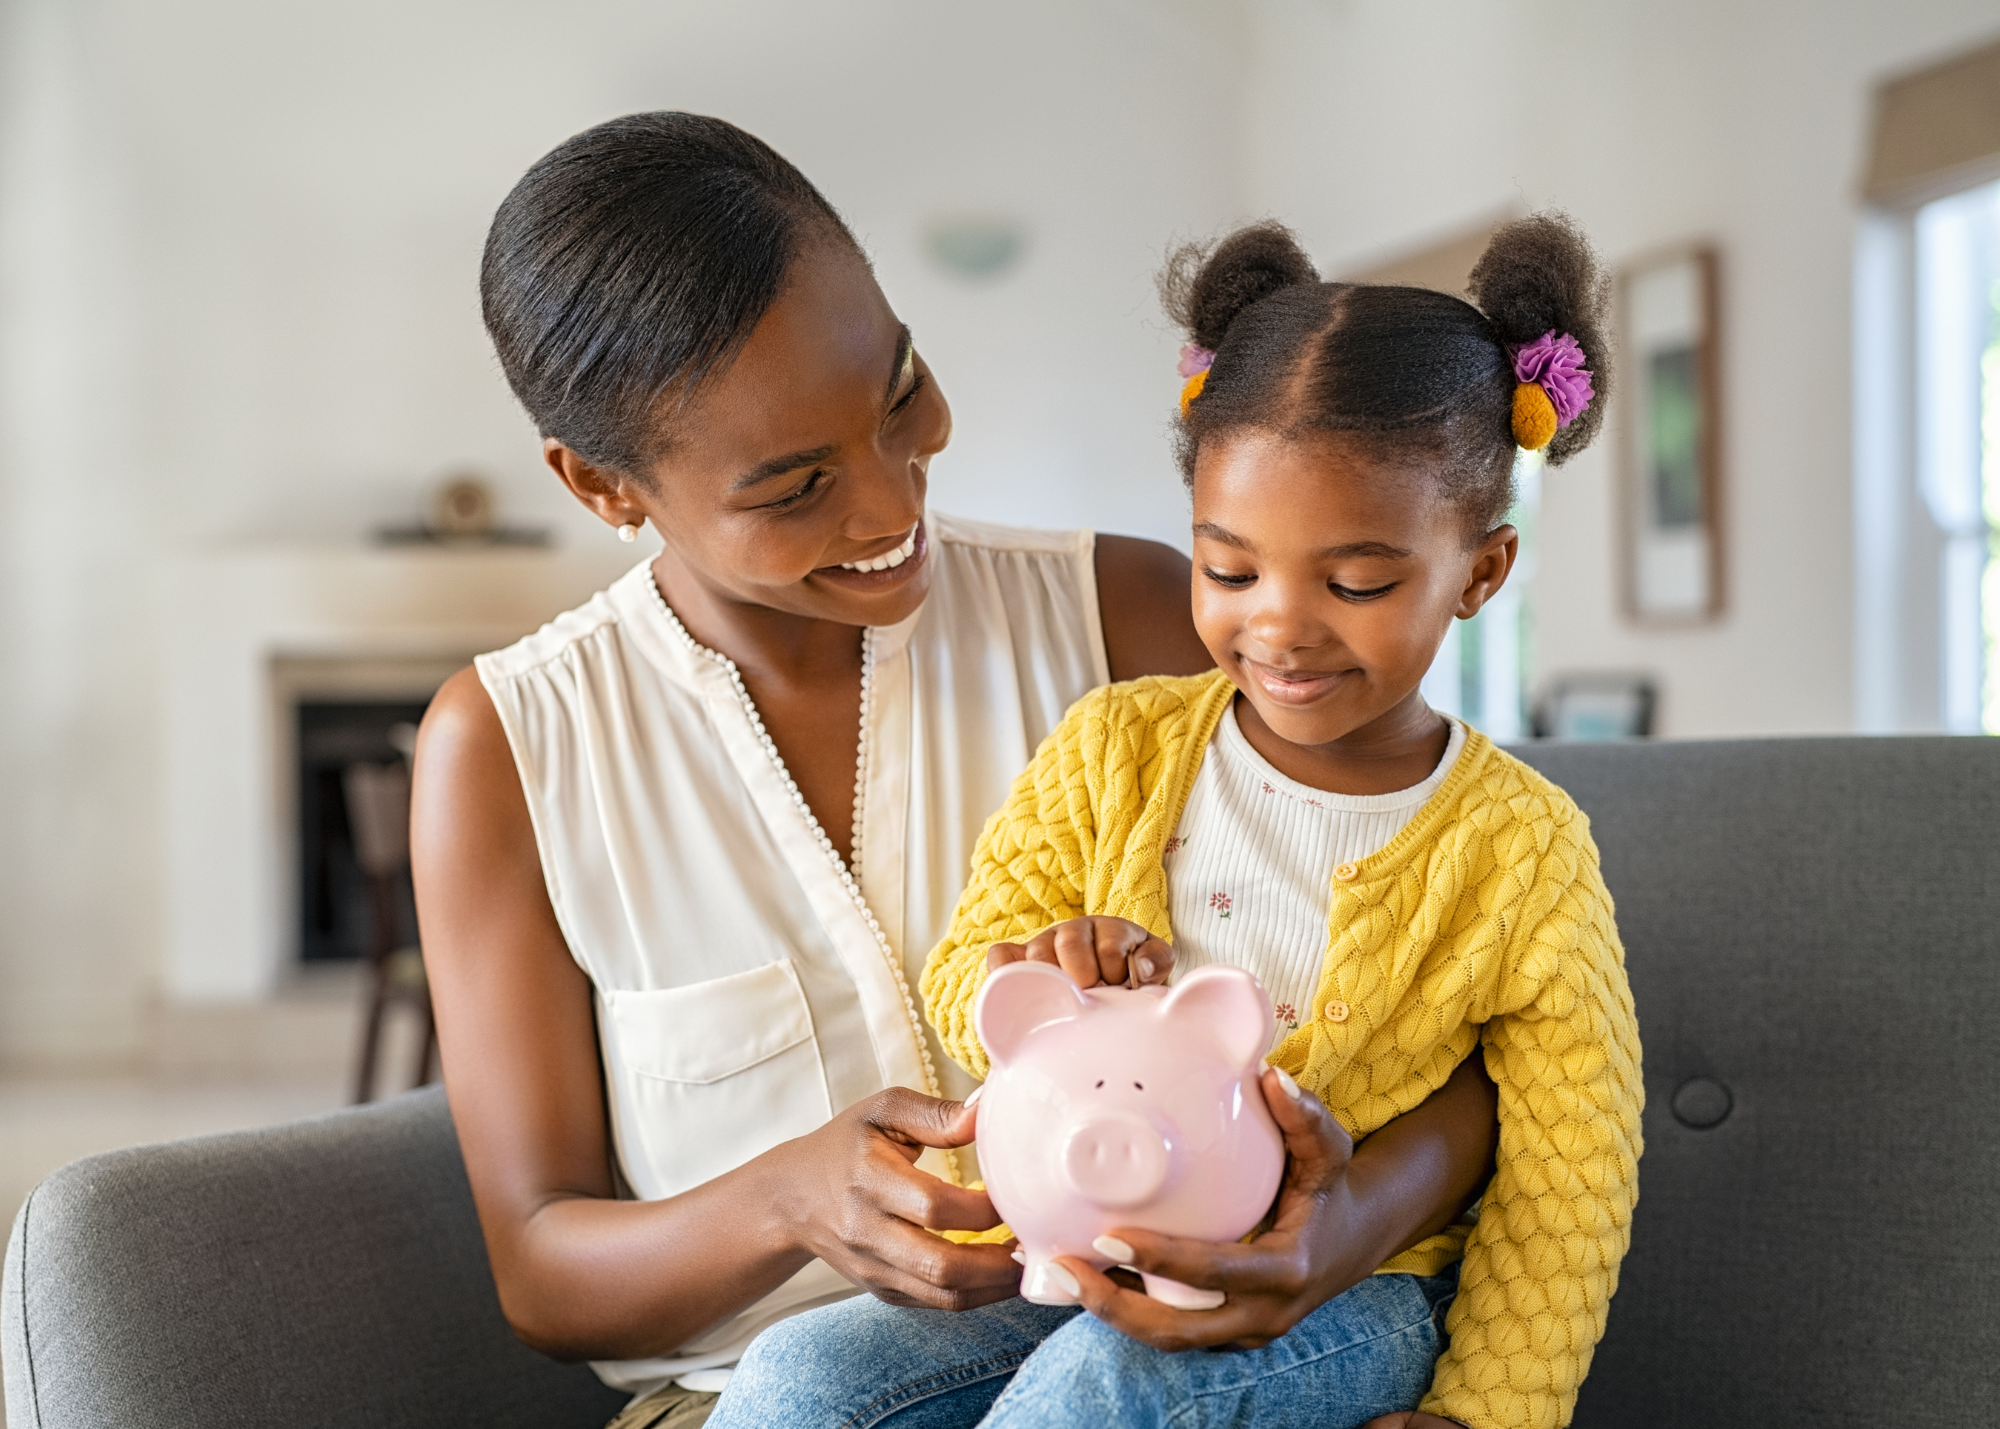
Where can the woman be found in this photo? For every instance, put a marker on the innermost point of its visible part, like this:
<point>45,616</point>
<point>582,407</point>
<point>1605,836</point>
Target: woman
<point>680,854</point>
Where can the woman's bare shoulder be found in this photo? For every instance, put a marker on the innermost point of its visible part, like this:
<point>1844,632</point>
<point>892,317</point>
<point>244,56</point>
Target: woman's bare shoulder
<point>1142,597</point>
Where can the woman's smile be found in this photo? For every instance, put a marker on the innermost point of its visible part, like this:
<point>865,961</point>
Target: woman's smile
<point>884,571</point>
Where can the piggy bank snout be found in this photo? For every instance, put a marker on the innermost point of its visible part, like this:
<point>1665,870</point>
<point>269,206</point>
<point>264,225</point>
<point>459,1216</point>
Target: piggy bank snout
<point>1115,1160</point>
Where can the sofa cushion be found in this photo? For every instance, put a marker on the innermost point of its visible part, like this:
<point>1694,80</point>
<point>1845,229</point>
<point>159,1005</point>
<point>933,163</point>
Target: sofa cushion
<point>1812,929</point>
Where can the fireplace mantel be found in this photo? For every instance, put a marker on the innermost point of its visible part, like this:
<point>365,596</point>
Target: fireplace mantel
<point>244,621</point>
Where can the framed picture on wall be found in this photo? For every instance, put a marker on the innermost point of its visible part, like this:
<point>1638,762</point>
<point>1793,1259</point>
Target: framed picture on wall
<point>1669,438</point>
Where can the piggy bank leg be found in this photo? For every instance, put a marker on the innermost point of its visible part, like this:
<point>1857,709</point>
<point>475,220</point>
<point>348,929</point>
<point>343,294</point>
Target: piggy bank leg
<point>1038,1287</point>
<point>1179,1296</point>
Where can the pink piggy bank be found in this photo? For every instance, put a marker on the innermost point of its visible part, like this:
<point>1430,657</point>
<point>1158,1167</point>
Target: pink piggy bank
<point>1111,1107</point>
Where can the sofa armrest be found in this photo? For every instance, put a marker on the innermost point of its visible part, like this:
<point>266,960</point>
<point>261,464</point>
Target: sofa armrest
<point>328,1272</point>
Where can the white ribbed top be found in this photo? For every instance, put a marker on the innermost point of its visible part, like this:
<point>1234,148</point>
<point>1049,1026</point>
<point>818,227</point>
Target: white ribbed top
<point>1250,868</point>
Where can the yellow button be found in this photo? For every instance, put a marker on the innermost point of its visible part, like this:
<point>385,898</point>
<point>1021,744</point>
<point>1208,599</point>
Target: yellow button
<point>1346,873</point>
<point>1334,1012</point>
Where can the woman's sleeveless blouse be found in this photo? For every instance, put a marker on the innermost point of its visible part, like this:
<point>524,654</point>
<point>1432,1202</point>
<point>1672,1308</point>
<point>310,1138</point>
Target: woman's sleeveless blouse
<point>747,987</point>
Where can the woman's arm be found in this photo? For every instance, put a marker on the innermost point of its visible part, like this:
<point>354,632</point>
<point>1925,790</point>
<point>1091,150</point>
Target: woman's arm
<point>1142,599</point>
<point>580,1273</point>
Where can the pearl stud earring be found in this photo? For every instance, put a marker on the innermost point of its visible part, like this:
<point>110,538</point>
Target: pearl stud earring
<point>629,532</point>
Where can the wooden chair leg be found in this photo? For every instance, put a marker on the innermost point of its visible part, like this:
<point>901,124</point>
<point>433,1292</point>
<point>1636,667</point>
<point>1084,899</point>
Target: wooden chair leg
<point>382,943</point>
<point>427,1051</point>
<point>371,1035</point>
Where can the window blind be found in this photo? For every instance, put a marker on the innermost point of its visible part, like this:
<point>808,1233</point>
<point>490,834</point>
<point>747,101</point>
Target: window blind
<point>1936,130</point>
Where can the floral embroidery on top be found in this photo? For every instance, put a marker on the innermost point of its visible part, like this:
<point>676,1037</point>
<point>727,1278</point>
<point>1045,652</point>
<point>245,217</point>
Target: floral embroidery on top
<point>1174,844</point>
<point>1286,793</point>
<point>1288,1016</point>
<point>1220,903</point>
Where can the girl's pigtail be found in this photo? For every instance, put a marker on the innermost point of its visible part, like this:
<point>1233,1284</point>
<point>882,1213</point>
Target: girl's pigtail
<point>1540,285</point>
<point>1204,288</point>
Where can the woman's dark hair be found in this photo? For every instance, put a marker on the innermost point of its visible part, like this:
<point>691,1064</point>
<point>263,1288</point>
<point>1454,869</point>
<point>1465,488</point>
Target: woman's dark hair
<point>1412,376</point>
<point>631,263</point>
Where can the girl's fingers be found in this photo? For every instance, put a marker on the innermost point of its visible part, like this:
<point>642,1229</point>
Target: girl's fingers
<point>1001,954</point>
<point>1076,951</point>
<point>1152,962</point>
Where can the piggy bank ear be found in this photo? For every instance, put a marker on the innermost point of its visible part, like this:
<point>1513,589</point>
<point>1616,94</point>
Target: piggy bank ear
<point>1016,1000</point>
<point>1230,1004</point>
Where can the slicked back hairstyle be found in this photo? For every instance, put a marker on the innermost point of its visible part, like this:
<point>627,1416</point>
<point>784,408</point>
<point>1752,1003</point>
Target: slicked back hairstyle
<point>629,265</point>
<point>1411,376</point>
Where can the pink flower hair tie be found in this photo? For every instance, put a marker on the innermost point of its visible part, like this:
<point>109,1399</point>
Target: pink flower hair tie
<point>1195,362</point>
<point>1553,387</point>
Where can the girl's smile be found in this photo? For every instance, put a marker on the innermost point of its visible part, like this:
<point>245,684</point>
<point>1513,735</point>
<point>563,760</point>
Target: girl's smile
<point>1294,686</point>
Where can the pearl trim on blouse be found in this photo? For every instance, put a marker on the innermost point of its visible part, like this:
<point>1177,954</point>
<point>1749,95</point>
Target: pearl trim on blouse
<point>847,874</point>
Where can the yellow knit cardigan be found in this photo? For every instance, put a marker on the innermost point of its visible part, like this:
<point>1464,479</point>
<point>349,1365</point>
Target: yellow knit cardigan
<point>1484,921</point>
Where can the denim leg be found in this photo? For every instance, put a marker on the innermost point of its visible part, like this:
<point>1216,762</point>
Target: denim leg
<point>1369,1351</point>
<point>860,1363</point>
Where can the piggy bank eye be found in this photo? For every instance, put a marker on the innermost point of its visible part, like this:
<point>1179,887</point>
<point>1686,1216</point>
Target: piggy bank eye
<point>1100,1081</point>
<point>1140,1085</point>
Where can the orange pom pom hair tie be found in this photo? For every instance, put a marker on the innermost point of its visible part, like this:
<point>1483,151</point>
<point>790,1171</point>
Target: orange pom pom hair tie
<point>1553,387</point>
<point>1194,365</point>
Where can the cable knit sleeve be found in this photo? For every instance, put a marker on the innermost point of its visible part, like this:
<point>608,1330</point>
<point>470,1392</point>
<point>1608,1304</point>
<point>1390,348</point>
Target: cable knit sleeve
<point>1030,869</point>
<point>1562,1043</point>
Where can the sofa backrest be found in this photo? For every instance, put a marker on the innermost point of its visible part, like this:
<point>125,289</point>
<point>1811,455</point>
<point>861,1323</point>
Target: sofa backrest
<point>1812,929</point>
<point>1813,934</point>
<point>328,1273</point>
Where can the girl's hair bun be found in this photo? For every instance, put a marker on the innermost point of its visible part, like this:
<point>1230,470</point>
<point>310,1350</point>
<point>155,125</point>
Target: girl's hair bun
<point>1204,288</point>
<point>1539,274</point>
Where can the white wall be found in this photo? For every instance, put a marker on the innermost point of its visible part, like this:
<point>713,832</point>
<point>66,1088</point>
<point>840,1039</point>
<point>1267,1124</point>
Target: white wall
<point>1373,125</point>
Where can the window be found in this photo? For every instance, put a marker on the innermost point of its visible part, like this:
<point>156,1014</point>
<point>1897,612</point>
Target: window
<point>1927,405</point>
<point>1481,673</point>
<point>1957,253</point>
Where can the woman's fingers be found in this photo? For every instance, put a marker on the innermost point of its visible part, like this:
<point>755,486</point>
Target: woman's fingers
<point>913,1120</point>
<point>1151,1322</point>
<point>1269,1265</point>
<point>1317,1143</point>
<point>897,1189</point>
<point>912,1267</point>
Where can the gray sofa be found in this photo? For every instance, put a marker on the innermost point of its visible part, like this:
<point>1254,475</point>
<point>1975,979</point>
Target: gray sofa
<point>1813,930</point>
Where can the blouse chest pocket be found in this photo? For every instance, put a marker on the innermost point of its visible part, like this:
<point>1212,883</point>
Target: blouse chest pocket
<point>712,1074</point>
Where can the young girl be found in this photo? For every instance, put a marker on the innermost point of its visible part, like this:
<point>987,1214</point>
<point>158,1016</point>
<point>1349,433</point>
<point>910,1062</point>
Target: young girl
<point>1405,891</point>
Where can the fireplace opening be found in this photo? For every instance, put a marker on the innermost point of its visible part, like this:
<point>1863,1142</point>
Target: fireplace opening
<point>337,906</point>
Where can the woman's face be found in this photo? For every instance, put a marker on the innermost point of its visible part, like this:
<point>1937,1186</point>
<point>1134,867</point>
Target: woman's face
<point>807,457</point>
<point>1324,582</point>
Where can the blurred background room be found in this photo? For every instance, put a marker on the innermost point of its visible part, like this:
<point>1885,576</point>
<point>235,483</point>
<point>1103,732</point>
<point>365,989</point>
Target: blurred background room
<point>262,485</point>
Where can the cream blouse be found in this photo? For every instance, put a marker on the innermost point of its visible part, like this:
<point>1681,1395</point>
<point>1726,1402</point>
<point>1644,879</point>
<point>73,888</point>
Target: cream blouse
<point>748,983</point>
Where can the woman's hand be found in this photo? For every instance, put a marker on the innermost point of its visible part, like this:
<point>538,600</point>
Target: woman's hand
<point>864,1208</point>
<point>1093,951</point>
<point>1412,1419</point>
<point>1319,1245</point>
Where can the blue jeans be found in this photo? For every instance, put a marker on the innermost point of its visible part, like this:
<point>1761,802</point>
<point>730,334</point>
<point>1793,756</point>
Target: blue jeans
<point>1019,1366</point>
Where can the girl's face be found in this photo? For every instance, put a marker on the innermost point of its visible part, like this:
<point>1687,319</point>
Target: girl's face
<point>1324,582</point>
<point>809,455</point>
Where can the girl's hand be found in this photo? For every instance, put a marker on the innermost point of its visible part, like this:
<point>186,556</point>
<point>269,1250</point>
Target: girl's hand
<point>1093,951</point>
<point>1313,1252</point>
<point>1412,1419</point>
